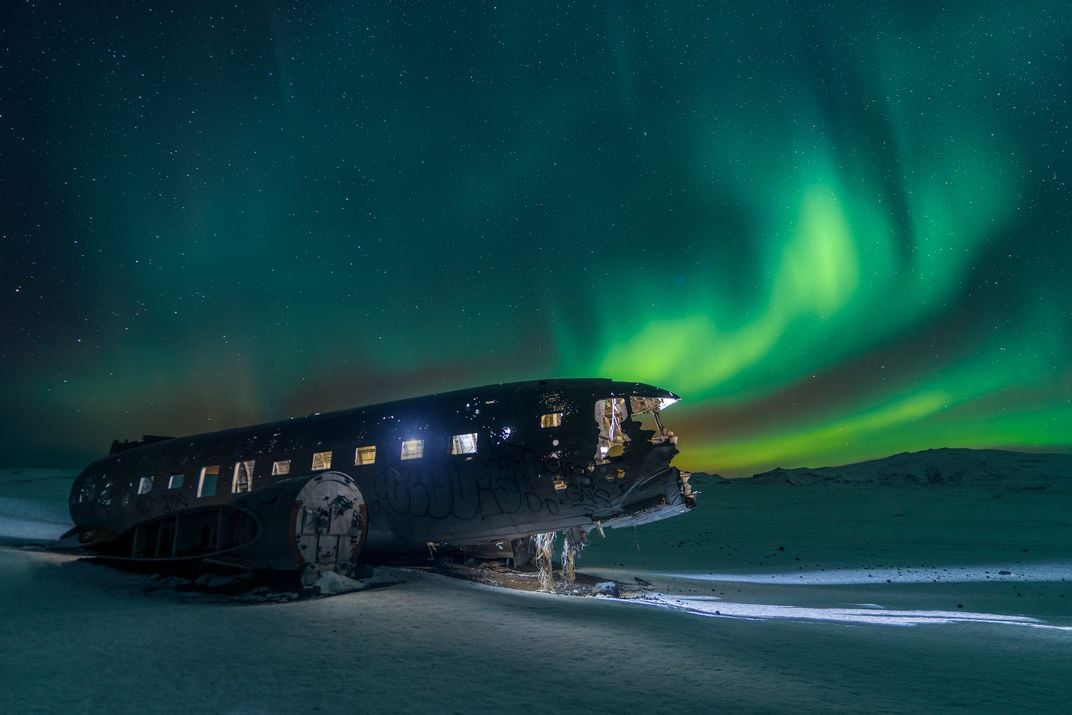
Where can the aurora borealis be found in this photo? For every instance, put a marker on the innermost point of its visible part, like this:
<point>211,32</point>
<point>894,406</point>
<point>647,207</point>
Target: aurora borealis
<point>837,230</point>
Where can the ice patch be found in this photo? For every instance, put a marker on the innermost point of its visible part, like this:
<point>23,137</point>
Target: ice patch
<point>892,574</point>
<point>869,615</point>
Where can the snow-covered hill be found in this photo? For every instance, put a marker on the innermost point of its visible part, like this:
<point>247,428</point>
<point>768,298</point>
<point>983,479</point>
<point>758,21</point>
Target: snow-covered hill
<point>934,467</point>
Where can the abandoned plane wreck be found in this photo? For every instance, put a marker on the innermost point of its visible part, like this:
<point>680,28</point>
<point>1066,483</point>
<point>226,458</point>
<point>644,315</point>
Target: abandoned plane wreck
<point>488,472</point>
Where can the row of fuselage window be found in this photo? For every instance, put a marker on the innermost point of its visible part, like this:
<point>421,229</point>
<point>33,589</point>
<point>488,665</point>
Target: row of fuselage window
<point>242,480</point>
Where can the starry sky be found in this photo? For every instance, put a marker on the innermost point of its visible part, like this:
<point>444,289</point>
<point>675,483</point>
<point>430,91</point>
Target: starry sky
<point>837,230</point>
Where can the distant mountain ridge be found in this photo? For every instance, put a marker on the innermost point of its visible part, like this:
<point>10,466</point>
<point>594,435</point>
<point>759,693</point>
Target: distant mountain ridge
<point>932,467</point>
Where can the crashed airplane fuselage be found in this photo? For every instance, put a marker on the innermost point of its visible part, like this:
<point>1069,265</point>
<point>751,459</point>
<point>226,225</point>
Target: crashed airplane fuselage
<point>478,470</point>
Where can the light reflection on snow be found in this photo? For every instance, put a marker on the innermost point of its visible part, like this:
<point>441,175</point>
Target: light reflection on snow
<point>866,615</point>
<point>893,574</point>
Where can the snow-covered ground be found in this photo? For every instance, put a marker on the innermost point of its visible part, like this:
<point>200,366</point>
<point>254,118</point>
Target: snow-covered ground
<point>867,593</point>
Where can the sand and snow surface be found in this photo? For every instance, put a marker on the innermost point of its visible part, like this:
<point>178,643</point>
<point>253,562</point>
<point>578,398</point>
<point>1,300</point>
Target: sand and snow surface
<point>935,581</point>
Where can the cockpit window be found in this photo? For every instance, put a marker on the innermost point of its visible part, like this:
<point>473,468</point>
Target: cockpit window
<point>639,405</point>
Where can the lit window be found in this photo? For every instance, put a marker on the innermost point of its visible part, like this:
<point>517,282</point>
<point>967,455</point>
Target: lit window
<point>281,467</point>
<point>243,476</point>
<point>551,419</point>
<point>321,460</point>
<point>413,449</point>
<point>145,485</point>
<point>206,486</point>
<point>365,455</point>
<point>463,443</point>
<point>175,481</point>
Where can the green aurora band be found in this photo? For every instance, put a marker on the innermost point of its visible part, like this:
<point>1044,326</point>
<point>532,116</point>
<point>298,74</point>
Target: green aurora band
<point>838,233</point>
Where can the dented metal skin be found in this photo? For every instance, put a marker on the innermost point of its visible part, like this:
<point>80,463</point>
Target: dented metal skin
<point>550,455</point>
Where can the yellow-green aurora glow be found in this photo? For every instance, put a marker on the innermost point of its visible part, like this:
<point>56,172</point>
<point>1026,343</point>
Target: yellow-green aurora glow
<point>838,231</point>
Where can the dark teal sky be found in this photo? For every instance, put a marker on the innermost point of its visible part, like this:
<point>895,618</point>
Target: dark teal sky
<point>838,230</point>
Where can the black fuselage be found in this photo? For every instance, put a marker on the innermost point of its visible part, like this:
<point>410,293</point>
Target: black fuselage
<point>470,467</point>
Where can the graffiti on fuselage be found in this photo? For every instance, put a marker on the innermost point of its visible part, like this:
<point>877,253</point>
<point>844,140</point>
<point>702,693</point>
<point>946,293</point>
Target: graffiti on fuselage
<point>173,501</point>
<point>500,485</point>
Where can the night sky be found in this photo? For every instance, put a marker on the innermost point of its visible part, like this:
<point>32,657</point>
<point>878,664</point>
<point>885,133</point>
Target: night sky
<point>838,231</point>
